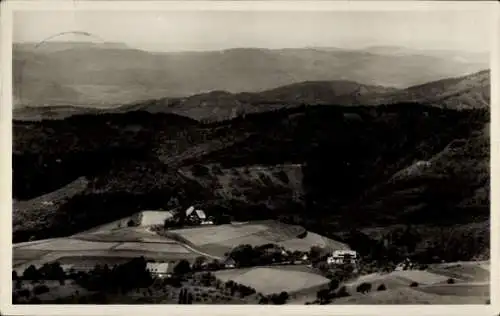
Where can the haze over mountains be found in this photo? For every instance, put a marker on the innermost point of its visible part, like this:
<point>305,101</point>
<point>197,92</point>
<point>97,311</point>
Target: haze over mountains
<point>112,74</point>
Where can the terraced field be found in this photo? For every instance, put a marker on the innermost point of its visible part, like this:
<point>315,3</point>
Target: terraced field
<point>40,252</point>
<point>218,240</point>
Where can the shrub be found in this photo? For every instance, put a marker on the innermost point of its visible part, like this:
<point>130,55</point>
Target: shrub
<point>40,289</point>
<point>381,287</point>
<point>200,170</point>
<point>323,295</point>
<point>24,293</point>
<point>342,292</point>
<point>182,267</point>
<point>414,284</point>
<point>450,281</point>
<point>334,284</point>
<point>364,287</point>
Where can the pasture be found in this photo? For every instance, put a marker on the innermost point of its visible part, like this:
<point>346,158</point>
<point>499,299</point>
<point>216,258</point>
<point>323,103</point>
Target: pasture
<point>152,247</point>
<point>467,271</point>
<point>274,280</point>
<point>218,240</point>
<point>128,234</point>
<point>69,244</point>
<point>459,289</point>
<point>406,295</point>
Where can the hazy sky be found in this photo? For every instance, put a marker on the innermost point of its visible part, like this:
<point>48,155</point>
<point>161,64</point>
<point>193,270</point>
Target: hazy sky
<point>213,30</point>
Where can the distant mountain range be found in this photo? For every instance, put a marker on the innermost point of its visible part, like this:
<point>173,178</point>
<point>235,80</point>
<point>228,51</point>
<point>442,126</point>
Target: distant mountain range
<point>112,74</point>
<point>467,92</point>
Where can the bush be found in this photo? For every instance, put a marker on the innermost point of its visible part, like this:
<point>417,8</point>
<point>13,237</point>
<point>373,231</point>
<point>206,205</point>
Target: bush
<point>381,287</point>
<point>342,292</point>
<point>414,284</point>
<point>450,281</point>
<point>40,289</point>
<point>364,287</point>
<point>182,267</point>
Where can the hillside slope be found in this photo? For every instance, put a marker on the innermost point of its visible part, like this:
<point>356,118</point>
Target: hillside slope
<point>470,91</point>
<point>325,167</point>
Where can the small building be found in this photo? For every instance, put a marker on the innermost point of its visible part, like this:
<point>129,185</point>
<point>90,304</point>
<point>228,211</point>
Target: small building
<point>196,216</point>
<point>229,263</point>
<point>343,257</point>
<point>160,269</point>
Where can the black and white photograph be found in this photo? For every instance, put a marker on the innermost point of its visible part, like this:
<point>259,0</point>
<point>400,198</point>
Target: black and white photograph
<point>250,156</point>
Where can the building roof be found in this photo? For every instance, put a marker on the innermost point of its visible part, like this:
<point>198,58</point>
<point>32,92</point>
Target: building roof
<point>229,260</point>
<point>201,214</point>
<point>189,210</point>
<point>159,267</point>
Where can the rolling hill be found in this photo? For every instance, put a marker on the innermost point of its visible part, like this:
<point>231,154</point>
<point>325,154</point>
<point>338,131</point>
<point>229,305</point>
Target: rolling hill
<point>470,91</point>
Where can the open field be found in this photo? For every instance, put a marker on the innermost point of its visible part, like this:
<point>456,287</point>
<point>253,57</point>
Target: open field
<point>153,247</point>
<point>220,239</point>
<point>68,244</point>
<point>56,290</point>
<point>459,289</point>
<point>467,271</point>
<point>127,234</point>
<point>112,254</point>
<point>218,234</point>
<point>118,224</point>
<point>274,280</point>
<point>405,295</point>
<point>114,244</point>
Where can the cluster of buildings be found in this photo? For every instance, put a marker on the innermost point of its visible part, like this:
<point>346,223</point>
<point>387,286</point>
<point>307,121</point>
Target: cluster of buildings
<point>343,257</point>
<point>198,217</point>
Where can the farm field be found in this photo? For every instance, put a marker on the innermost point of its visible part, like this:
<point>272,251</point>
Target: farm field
<point>153,247</point>
<point>467,271</point>
<point>405,295</point>
<point>128,234</point>
<point>459,289</point>
<point>68,244</point>
<point>113,244</point>
<point>218,240</point>
<point>274,280</point>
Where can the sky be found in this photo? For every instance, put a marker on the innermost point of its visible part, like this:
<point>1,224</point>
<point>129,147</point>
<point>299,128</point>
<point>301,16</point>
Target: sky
<point>215,30</point>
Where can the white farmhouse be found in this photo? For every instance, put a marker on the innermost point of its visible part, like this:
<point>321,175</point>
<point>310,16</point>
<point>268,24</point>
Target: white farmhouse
<point>160,269</point>
<point>342,257</point>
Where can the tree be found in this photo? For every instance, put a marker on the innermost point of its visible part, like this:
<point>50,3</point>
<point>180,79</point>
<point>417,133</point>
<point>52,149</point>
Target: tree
<point>381,287</point>
<point>40,289</point>
<point>198,263</point>
<point>342,292</point>
<point>450,281</point>
<point>31,273</point>
<point>315,254</point>
<point>414,284</point>
<point>364,287</point>
<point>284,296</point>
<point>243,255</point>
<point>323,295</point>
<point>182,267</point>
<point>334,284</point>
<point>323,266</point>
<point>14,275</point>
